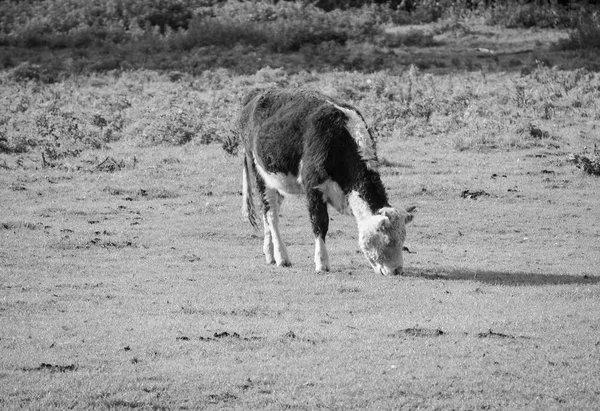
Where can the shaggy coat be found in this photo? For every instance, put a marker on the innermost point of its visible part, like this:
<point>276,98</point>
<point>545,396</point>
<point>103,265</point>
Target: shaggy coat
<point>303,142</point>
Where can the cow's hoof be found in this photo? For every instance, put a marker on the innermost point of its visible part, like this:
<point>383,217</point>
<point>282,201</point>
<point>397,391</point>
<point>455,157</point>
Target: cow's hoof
<point>322,269</point>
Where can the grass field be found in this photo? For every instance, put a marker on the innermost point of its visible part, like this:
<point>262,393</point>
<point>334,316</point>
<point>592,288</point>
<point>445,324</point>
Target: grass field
<point>130,281</point>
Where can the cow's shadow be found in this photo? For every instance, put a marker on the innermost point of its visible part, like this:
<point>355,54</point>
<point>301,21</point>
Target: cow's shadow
<point>493,277</point>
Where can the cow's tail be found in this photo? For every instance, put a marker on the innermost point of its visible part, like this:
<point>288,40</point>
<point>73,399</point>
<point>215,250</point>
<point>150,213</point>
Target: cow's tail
<point>247,202</point>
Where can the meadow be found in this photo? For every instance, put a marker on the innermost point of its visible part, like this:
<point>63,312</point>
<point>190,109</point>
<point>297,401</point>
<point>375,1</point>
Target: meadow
<point>129,280</point>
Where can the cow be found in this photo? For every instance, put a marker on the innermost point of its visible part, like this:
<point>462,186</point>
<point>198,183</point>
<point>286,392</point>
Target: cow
<point>302,142</point>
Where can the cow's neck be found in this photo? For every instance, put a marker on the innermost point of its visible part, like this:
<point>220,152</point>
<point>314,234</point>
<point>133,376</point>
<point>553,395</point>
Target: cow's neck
<point>367,197</point>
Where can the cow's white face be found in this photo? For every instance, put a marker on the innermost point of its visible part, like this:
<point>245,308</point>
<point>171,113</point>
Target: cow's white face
<point>381,239</point>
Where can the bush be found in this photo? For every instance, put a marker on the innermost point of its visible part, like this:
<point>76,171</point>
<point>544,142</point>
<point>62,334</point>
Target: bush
<point>33,72</point>
<point>284,27</point>
<point>586,34</point>
<point>527,14</point>
<point>218,32</point>
<point>164,13</point>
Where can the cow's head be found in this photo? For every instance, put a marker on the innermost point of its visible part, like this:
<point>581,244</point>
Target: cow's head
<point>381,239</point>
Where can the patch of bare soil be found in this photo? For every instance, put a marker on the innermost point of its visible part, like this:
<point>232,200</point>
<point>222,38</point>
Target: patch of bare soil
<point>418,332</point>
<point>52,367</point>
<point>493,334</point>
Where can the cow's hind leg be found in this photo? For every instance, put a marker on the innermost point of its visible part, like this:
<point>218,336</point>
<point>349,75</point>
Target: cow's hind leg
<point>319,219</point>
<point>267,238</point>
<point>274,247</point>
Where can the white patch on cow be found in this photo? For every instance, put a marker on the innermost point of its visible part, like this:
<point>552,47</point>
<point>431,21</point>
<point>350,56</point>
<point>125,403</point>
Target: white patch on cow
<point>268,242</point>
<point>358,130</point>
<point>284,183</point>
<point>321,255</point>
<point>359,207</point>
<point>333,195</point>
<point>300,172</point>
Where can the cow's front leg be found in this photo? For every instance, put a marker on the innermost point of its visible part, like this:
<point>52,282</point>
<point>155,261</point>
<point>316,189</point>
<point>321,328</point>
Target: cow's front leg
<point>319,219</point>
<point>273,241</point>
<point>268,241</point>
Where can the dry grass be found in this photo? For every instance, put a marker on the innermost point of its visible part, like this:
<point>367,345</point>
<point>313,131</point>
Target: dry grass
<point>115,300</point>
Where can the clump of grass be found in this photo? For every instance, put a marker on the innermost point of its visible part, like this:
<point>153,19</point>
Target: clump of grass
<point>174,126</point>
<point>588,162</point>
<point>479,134</point>
<point>27,71</point>
<point>65,134</point>
<point>231,143</point>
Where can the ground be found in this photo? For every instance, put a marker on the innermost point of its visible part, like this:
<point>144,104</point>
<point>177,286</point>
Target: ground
<point>130,280</point>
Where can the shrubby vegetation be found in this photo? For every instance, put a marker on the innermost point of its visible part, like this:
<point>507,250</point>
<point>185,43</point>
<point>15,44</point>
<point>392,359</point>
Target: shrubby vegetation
<point>175,72</point>
<point>144,108</point>
<point>73,23</point>
<point>196,35</point>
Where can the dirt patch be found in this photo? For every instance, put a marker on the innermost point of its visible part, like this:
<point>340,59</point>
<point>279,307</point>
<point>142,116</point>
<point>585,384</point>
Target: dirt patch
<point>98,242</point>
<point>138,193</point>
<point>493,334</point>
<point>502,278</point>
<point>20,225</point>
<point>223,335</point>
<point>221,397</point>
<point>418,332</point>
<point>52,367</point>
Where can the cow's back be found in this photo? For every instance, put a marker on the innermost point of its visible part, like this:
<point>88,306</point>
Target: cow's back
<point>278,125</point>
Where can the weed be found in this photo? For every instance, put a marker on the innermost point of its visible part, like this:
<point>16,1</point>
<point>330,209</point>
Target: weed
<point>548,111</point>
<point>110,165</point>
<point>231,143</point>
<point>520,97</point>
<point>588,162</point>
<point>536,132</point>
<point>176,126</point>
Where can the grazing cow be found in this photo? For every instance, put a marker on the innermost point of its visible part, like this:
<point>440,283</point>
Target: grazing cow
<point>303,142</point>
